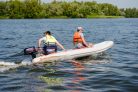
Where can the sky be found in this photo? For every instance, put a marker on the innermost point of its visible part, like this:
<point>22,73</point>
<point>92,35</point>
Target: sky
<point>118,3</point>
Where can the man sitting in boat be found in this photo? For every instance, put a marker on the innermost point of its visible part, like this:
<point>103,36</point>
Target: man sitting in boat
<point>79,40</point>
<point>50,43</point>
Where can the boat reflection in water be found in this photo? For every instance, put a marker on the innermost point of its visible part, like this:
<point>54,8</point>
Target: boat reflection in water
<point>74,86</point>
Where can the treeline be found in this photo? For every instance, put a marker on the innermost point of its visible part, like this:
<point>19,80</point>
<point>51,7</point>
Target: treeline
<point>130,12</point>
<point>37,9</point>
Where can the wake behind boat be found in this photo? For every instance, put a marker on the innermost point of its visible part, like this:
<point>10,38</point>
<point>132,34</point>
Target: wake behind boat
<point>74,53</point>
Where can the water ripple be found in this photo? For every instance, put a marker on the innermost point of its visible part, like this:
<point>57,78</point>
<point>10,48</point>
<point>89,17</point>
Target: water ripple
<point>114,70</point>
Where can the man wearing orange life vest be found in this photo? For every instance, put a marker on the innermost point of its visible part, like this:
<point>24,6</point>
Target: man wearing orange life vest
<point>78,39</point>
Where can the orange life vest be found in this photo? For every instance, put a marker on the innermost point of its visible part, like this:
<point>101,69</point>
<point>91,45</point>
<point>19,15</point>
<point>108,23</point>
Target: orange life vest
<point>77,38</point>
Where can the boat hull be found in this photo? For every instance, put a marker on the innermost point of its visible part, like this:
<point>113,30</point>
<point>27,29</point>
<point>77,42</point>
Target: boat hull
<point>75,53</point>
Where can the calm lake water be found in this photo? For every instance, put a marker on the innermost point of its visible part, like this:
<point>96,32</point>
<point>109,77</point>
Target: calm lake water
<point>115,70</point>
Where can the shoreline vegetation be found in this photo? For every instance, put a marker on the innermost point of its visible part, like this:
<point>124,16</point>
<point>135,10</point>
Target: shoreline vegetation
<point>36,9</point>
<point>65,17</point>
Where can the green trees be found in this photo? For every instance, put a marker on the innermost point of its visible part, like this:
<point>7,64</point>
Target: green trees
<point>131,13</point>
<point>109,9</point>
<point>14,9</point>
<point>32,9</point>
<point>37,9</point>
<point>2,9</point>
<point>54,9</point>
<point>74,10</point>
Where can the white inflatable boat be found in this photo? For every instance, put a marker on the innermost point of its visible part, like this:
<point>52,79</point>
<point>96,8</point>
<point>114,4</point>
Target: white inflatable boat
<point>74,53</point>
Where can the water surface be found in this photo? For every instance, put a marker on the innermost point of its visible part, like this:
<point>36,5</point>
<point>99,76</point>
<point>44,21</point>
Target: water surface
<point>114,70</point>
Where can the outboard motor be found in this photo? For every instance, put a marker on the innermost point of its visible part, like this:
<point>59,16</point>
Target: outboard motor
<point>30,51</point>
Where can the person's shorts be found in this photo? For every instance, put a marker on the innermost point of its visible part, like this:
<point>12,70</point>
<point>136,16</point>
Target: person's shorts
<point>49,49</point>
<point>79,45</point>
